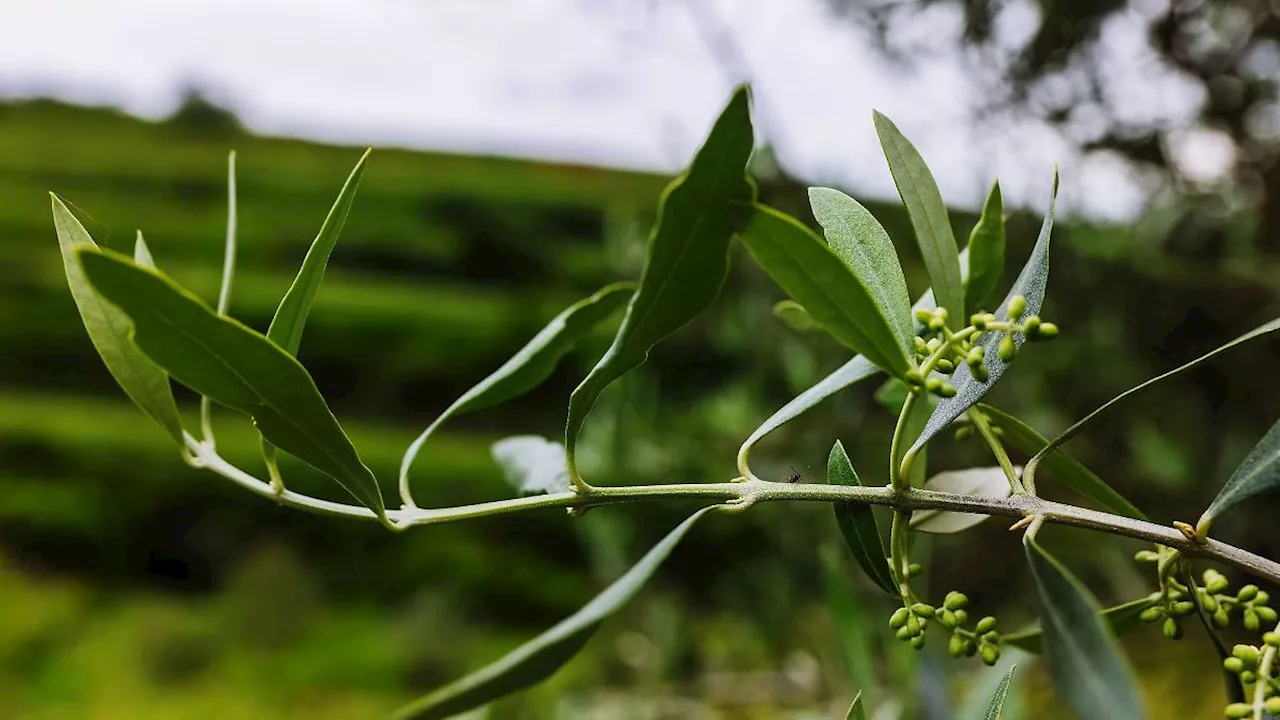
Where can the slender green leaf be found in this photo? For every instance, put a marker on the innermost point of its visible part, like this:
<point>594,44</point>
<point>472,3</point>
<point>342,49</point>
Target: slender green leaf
<point>858,239</point>
<point>928,214</point>
<point>986,251</point>
<point>858,525</point>
<point>1119,620</point>
<point>1090,675</point>
<point>983,482</point>
<point>795,316</point>
<point>532,464</point>
<point>291,316</point>
<point>856,369</point>
<point>235,366</point>
<point>142,380</point>
<point>1259,473</point>
<point>856,711</point>
<point>532,364</point>
<point>142,253</point>
<point>1031,285</point>
<point>229,253</point>
<point>1262,330</point>
<point>1064,467</point>
<point>687,258</point>
<point>814,276</point>
<point>540,657</point>
<point>996,709</point>
<point>988,682</point>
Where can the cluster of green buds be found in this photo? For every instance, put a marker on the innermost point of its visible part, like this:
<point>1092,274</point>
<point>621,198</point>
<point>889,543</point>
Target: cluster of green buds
<point>1246,662</point>
<point>910,624</point>
<point>940,349</point>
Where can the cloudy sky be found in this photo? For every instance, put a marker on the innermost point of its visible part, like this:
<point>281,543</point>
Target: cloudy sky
<point>616,82</point>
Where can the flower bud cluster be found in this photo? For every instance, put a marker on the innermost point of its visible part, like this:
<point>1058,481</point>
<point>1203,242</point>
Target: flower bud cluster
<point>939,349</point>
<point>910,624</point>
<point>1246,662</point>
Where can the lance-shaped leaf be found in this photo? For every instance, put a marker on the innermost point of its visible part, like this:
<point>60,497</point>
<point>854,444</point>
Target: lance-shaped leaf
<point>996,707</point>
<point>813,275</point>
<point>1030,284</point>
<point>1090,675</point>
<point>233,365</point>
<point>1261,331</point>
<point>543,655</point>
<point>1070,471</point>
<point>858,525</point>
<point>142,380</point>
<point>928,214</point>
<point>1118,620</point>
<point>986,251</point>
<point>856,369</point>
<point>856,710</point>
<point>687,258</point>
<point>291,316</point>
<point>531,365</point>
<point>1259,473</point>
<point>987,482</point>
<point>858,239</point>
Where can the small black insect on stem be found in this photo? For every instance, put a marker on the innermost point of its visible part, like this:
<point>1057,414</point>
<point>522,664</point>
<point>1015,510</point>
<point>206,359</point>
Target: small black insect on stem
<point>795,476</point>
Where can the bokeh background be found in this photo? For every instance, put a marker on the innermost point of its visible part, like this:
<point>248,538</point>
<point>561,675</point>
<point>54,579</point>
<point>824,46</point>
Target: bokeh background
<point>521,148</point>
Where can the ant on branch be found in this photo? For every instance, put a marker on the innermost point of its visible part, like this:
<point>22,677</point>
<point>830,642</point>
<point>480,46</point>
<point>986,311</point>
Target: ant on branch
<point>795,476</point>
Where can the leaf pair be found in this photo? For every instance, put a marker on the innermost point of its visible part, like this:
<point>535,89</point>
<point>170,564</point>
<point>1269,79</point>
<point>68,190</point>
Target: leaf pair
<point>994,708</point>
<point>540,657</point>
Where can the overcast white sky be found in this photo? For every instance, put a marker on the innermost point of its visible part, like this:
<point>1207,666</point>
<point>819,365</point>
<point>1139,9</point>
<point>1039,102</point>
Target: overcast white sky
<point>615,82</point>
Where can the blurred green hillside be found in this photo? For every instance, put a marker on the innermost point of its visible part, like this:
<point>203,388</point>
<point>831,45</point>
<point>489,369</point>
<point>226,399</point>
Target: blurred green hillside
<point>132,586</point>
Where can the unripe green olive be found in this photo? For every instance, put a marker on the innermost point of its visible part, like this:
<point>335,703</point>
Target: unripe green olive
<point>945,366</point>
<point>1007,349</point>
<point>1247,593</point>
<point>992,637</point>
<point>1047,331</point>
<point>1184,608</point>
<point>1210,603</point>
<point>924,610</point>
<point>956,646</point>
<point>1221,618</point>
<point>1261,598</point>
<point>946,619</point>
<point>1265,614</point>
<point>1248,654</point>
<point>1017,306</point>
<point>1172,629</point>
<point>1237,711</point>
<point>1152,614</point>
<point>955,600</point>
<point>898,618</point>
<point>990,654</point>
<point>986,624</point>
<point>962,617</point>
<point>1233,665</point>
<point>1252,622</point>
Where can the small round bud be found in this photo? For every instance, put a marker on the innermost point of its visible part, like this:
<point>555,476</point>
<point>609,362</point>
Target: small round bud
<point>1152,614</point>
<point>955,600</point>
<point>913,625</point>
<point>933,344</point>
<point>1233,665</point>
<point>1252,622</point>
<point>918,641</point>
<point>970,648</point>
<point>1214,581</point>
<point>1184,608</point>
<point>946,390</point>
<point>1238,711</point>
<point>962,617</point>
<point>924,610</point>
<point>979,321</point>
<point>921,346</point>
<point>1017,306</point>
<point>1262,598</point>
<point>904,633</point>
<point>1031,326</point>
<point>1272,705</point>
<point>1247,593</point>
<point>898,618</point>
<point>1272,638</point>
<point>1247,654</point>
<point>986,624</point>
<point>1172,629</point>
<point>913,377</point>
<point>990,654</point>
<point>941,314</point>
<point>974,356</point>
<point>1007,349</point>
<point>1047,331</point>
<point>964,432</point>
<point>955,646</point>
<point>914,570</point>
<point>1221,618</point>
<point>946,367</point>
<point>936,324</point>
<point>1146,556</point>
<point>1265,614</point>
<point>992,637</point>
<point>946,619</point>
<point>1248,677</point>
<point>1210,602</point>
<point>932,384</point>
<point>980,372</point>
<point>923,316</point>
